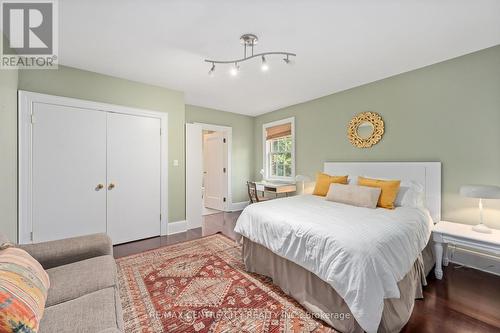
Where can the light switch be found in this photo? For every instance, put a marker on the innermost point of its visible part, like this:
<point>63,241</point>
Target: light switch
<point>176,162</point>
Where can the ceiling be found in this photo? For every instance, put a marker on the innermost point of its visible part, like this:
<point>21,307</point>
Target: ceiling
<point>339,44</point>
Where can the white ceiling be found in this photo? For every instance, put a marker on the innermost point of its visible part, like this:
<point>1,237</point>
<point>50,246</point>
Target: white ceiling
<point>339,44</point>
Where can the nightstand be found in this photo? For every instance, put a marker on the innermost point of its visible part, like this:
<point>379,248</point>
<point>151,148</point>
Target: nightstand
<point>459,234</point>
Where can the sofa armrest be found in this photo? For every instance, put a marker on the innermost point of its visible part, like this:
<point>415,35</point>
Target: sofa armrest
<point>69,250</point>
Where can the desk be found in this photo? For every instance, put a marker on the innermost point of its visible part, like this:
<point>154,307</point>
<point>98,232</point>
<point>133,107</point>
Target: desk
<point>275,187</point>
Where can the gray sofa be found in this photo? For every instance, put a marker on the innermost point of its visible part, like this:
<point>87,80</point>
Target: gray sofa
<point>83,296</point>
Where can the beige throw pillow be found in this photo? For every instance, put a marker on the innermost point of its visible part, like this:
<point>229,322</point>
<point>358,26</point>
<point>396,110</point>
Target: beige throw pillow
<point>355,195</point>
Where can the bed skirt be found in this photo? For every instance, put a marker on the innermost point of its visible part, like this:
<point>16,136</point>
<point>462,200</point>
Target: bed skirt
<point>320,299</point>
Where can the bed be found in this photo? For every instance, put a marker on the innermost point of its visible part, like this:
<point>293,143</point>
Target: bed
<point>358,269</point>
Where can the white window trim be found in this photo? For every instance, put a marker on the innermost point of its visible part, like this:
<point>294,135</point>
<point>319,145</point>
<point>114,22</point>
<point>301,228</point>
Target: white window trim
<point>264,148</point>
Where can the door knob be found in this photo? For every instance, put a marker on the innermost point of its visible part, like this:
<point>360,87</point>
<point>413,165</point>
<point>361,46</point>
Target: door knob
<point>99,187</point>
<point>111,186</point>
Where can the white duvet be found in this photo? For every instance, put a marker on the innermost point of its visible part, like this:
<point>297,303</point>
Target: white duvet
<point>362,253</point>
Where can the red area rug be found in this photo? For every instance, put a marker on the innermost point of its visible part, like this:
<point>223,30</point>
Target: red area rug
<point>202,286</point>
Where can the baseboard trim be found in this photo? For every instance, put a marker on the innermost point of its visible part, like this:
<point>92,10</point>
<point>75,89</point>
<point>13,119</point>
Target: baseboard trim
<point>237,206</point>
<point>176,227</point>
<point>481,261</point>
<point>164,229</point>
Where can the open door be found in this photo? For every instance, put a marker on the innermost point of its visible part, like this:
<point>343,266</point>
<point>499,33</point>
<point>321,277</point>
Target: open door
<point>194,173</point>
<point>215,170</point>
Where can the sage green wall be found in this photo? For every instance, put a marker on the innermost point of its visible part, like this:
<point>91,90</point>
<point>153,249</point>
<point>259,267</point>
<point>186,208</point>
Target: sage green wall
<point>242,152</point>
<point>76,83</point>
<point>8,153</point>
<point>448,112</point>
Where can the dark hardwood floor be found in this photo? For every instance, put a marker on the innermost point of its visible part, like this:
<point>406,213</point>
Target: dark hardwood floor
<point>126,249</point>
<point>464,301</point>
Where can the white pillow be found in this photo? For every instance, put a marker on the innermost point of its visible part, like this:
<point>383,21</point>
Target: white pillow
<point>411,194</point>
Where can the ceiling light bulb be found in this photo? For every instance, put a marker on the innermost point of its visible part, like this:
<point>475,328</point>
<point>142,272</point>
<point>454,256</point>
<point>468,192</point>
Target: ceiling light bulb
<point>234,70</point>
<point>212,70</point>
<point>264,67</point>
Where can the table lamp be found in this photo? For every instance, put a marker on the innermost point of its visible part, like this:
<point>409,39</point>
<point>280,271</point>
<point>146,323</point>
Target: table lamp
<point>303,179</point>
<point>481,192</point>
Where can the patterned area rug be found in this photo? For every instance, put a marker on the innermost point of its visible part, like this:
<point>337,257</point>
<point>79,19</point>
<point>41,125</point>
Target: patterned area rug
<point>201,286</point>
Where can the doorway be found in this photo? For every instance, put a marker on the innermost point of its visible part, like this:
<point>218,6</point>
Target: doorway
<point>214,171</point>
<point>208,172</point>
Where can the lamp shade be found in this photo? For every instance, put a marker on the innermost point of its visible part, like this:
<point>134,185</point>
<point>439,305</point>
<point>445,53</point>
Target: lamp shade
<point>302,178</point>
<point>480,191</point>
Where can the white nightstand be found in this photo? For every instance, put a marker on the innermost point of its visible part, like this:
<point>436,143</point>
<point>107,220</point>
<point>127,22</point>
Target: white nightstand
<point>445,233</point>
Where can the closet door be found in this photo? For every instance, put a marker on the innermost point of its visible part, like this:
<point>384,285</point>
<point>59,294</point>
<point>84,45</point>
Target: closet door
<point>68,172</point>
<point>133,184</point>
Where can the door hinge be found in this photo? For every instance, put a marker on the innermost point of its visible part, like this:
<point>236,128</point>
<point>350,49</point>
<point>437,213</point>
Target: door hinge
<point>224,140</point>
<point>31,235</point>
<point>32,118</point>
<point>160,131</point>
<point>160,217</point>
<point>224,170</point>
<point>224,199</point>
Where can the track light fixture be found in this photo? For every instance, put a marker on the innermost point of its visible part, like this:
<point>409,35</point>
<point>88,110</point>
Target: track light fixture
<point>264,67</point>
<point>249,41</point>
<point>234,70</point>
<point>212,70</point>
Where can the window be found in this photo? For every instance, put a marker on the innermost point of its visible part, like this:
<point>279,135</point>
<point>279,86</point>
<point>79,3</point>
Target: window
<point>280,157</point>
<point>279,152</point>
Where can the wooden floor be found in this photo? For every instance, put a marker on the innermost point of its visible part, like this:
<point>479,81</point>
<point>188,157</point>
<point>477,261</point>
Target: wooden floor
<point>465,301</point>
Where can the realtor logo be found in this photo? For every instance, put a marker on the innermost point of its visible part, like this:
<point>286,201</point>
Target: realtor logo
<point>30,34</point>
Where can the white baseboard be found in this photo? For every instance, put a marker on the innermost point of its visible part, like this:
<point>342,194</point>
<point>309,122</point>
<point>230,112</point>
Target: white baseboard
<point>176,227</point>
<point>481,261</point>
<point>237,206</point>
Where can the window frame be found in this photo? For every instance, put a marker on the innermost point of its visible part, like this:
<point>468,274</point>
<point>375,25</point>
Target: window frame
<point>265,153</point>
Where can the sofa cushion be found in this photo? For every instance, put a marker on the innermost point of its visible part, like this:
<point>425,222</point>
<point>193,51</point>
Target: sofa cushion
<point>66,251</point>
<point>71,281</point>
<point>91,313</point>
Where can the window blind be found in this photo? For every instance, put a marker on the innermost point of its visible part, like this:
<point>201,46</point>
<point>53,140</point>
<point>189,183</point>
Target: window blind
<point>278,131</point>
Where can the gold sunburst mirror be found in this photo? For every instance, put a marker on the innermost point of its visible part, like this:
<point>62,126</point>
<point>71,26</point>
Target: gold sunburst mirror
<point>365,129</point>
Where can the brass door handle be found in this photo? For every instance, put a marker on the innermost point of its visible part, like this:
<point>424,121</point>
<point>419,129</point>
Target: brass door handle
<point>99,187</point>
<point>111,186</point>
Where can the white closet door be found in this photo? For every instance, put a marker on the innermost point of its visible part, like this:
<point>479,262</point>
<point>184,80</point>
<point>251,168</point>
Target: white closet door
<point>68,164</point>
<point>133,185</point>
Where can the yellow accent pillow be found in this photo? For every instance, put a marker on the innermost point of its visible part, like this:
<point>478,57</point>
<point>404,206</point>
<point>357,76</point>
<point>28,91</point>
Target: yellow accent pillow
<point>390,189</point>
<point>323,182</point>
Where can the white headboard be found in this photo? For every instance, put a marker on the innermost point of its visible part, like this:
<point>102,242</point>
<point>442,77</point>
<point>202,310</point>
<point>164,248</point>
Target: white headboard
<point>426,173</point>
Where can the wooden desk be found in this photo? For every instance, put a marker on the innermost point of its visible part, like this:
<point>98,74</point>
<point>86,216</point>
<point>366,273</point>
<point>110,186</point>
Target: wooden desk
<point>276,188</point>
